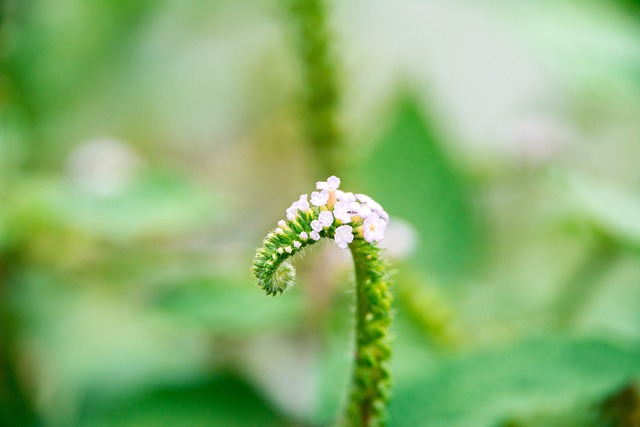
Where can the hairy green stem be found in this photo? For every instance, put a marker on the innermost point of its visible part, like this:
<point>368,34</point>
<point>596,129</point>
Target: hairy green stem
<point>371,374</point>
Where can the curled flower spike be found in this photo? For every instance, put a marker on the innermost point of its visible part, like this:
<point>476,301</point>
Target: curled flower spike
<point>357,222</point>
<point>332,213</point>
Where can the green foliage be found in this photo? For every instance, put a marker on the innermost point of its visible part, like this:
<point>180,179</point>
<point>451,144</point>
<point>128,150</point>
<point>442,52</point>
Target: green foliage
<point>483,387</point>
<point>222,401</point>
<point>411,172</point>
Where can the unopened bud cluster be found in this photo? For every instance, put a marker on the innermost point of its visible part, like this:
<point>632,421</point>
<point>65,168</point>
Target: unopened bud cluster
<point>330,213</point>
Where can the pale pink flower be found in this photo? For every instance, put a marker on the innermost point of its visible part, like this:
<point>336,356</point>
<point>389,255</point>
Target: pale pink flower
<point>342,211</point>
<point>316,226</point>
<point>320,198</point>
<point>374,228</point>
<point>332,183</point>
<point>343,236</point>
<point>325,218</point>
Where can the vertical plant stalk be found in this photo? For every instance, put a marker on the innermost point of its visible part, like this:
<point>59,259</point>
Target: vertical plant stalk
<point>320,94</point>
<point>356,222</point>
<point>371,373</point>
<point>585,281</point>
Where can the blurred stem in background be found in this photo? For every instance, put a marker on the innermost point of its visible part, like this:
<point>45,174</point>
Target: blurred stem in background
<point>15,406</point>
<point>427,309</point>
<point>581,286</point>
<point>320,94</point>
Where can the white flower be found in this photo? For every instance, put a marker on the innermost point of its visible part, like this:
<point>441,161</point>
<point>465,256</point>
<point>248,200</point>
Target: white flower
<point>375,206</point>
<point>304,235</point>
<point>332,183</point>
<point>279,230</point>
<point>302,204</point>
<point>280,250</point>
<point>342,211</point>
<point>345,197</point>
<point>363,198</point>
<point>343,236</point>
<point>325,218</point>
<point>282,224</point>
<point>288,249</point>
<point>320,198</point>
<point>292,211</point>
<point>316,226</point>
<point>315,235</point>
<point>363,211</point>
<point>297,244</point>
<point>374,228</point>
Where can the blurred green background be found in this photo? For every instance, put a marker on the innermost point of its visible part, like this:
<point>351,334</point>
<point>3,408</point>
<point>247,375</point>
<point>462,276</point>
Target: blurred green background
<point>146,147</point>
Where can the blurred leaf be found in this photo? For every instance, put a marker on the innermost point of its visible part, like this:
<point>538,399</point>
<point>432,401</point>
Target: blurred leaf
<point>609,209</point>
<point>231,308</point>
<point>483,388</point>
<point>224,402</point>
<point>410,175</point>
<point>156,203</point>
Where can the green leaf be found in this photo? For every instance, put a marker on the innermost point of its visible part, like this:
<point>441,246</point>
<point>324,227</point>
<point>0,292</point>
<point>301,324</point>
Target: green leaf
<point>223,401</point>
<point>409,173</point>
<point>483,388</point>
<point>228,307</point>
<point>609,209</point>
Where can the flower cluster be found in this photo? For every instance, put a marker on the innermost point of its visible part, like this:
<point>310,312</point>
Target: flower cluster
<point>330,213</point>
<point>343,216</point>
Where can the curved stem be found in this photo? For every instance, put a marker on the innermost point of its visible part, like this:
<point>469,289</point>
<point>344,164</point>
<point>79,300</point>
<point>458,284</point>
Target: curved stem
<point>358,222</point>
<point>370,382</point>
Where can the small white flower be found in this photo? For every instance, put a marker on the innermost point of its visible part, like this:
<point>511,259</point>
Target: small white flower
<point>364,211</point>
<point>288,249</point>
<point>292,211</point>
<point>302,204</point>
<point>279,230</point>
<point>325,218</point>
<point>343,236</point>
<point>315,235</point>
<point>282,224</point>
<point>345,197</point>
<point>374,228</point>
<point>297,244</point>
<point>280,250</point>
<point>375,206</point>
<point>332,183</point>
<point>316,226</point>
<point>320,198</point>
<point>304,235</point>
<point>341,210</point>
